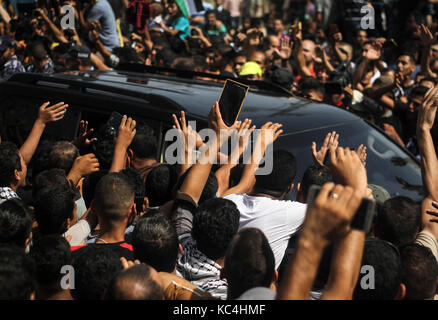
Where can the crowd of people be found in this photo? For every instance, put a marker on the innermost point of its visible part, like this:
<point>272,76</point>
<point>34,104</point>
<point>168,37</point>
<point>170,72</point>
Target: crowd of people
<point>132,227</point>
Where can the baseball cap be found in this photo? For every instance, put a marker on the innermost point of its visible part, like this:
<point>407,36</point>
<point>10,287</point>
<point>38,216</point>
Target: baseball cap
<point>5,42</point>
<point>251,68</point>
<point>77,52</point>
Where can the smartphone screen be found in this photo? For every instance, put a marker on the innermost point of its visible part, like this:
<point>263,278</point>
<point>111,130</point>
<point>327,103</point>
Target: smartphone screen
<point>363,217</point>
<point>231,101</point>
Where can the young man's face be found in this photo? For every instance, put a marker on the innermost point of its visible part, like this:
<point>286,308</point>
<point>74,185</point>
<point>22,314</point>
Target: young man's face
<point>361,37</point>
<point>278,26</point>
<point>238,63</point>
<point>405,66</point>
<point>414,105</point>
<point>211,20</point>
<point>308,50</point>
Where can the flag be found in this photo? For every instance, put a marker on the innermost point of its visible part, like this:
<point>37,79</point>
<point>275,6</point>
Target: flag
<point>190,7</point>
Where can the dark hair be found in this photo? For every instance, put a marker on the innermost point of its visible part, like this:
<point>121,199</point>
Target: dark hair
<point>144,144</point>
<point>114,195</point>
<point>433,80</point>
<point>10,161</point>
<point>159,184</point>
<point>384,259</point>
<point>308,84</point>
<point>50,253</point>
<point>48,178</point>
<point>94,267</point>
<point>17,274</point>
<point>40,160</point>
<point>167,55</point>
<point>155,242</point>
<point>104,153</point>
<point>210,188</point>
<point>284,169</point>
<point>419,91</point>
<point>419,272</point>
<point>135,283</point>
<point>215,222</point>
<point>249,262</point>
<point>37,50</point>
<point>398,220</point>
<point>53,206</point>
<point>317,175</point>
<point>127,55</point>
<point>15,222</point>
<point>89,185</point>
<point>63,155</point>
<point>210,11</point>
<point>137,182</point>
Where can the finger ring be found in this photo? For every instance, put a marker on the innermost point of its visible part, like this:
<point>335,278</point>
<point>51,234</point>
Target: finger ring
<point>334,195</point>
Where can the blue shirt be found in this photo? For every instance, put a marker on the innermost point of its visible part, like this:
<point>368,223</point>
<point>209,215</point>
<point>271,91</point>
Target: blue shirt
<point>103,13</point>
<point>182,24</point>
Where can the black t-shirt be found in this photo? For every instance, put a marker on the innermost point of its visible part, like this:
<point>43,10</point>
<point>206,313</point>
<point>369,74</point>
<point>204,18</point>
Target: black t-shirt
<point>122,249</point>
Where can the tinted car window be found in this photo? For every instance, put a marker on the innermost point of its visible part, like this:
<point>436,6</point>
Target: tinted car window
<point>387,165</point>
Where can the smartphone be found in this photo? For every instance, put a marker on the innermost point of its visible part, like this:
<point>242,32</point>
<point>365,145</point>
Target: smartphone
<point>363,218</point>
<point>115,120</point>
<point>231,100</point>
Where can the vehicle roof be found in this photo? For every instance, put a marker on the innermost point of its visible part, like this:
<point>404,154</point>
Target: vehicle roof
<point>197,96</point>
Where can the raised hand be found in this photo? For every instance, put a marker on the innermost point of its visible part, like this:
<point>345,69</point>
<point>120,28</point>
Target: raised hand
<point>331,139</point>
<point>83,140</point>
<point>332,212</point>
<point>347,168</point>
<point>53,113</point>
<point>86,164</point>
<point>216,122</point>
<point>427,112</point>
<point>126,132</point>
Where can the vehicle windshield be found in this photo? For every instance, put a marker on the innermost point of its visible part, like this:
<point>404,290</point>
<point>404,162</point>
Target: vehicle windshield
<point>387,164</point>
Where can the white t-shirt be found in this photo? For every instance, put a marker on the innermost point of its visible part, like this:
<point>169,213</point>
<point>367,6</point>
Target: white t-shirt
<point>278,219</point>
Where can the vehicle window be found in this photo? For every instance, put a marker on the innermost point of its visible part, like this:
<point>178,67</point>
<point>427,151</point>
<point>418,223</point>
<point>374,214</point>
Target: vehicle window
<point>387,164</point>
<point>18,114</point>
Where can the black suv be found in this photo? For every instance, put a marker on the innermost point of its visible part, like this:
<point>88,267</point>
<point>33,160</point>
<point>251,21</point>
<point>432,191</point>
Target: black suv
<point>152,95</point>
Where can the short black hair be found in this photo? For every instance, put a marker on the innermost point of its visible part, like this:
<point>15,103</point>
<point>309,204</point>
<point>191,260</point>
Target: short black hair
<point>160,183</point>
<point>398,220</point>
<point>40,160</point>
<point>308,84</point>
<point>37,50</point>
<point>50,254</point>
<point>155,242</point>
<point>314,175</point>
<point>144,144</point>
<point>430,79</point>
<point>249,262</point>
<point>94,267</point>
<point>284,169</point>
<point>17,274</point>
<point>48,178</point>
<point>419,272</point>
<point>113,196</point>
<point>10,161</point>
<point>53,206</point>
<point>419,91</point>
<point>15,223</point>
<point>215,222</point>
<point>384,260</point>
<point>89,185</point>
<point>210,188</point>
<point>137,182</point>
<point>134,283</point>
<point>63,155</point>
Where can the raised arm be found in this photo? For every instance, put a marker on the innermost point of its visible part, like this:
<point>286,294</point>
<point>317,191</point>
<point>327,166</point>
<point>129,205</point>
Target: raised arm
<point>125,135</point>
<point>46,114</point>
<point>195,181</point>
<point>268,134</point>
<point>429,161</point>
<point>327,220</point>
